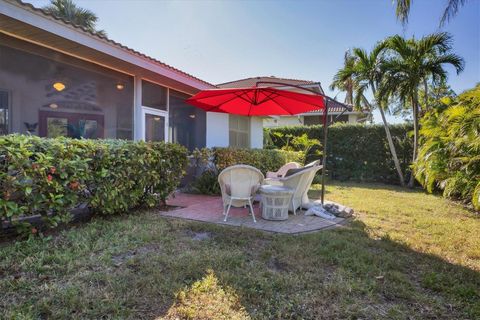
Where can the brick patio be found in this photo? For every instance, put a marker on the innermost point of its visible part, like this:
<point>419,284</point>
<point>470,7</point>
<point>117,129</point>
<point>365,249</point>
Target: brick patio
<point>209,209</point>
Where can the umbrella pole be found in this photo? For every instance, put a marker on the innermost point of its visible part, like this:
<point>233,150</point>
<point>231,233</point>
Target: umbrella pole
<point>324,161</point>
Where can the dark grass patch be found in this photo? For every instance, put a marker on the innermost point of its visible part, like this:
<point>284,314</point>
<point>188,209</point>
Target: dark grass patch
<point>385,265</point>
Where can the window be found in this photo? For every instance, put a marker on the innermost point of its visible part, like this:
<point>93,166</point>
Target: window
<point>154,128</point>
<point>239,129</point>
<point>312,120</point>
<point>53,94</point>
<point>3,112</point>
<point>188,125</point>
<point>154,96</point>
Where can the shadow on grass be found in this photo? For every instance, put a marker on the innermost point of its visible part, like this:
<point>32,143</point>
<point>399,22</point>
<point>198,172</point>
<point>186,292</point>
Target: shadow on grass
<point>340,273</point>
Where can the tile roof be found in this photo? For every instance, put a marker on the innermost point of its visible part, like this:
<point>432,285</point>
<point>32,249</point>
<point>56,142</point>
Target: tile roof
<point>31,7</point>
<point>250,82</point>
<point>336,107</point>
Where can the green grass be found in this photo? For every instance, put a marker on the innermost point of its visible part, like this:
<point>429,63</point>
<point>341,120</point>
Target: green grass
<point>405,255</point>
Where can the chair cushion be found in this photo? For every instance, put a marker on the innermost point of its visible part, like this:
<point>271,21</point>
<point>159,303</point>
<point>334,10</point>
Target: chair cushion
<point>293,171</point>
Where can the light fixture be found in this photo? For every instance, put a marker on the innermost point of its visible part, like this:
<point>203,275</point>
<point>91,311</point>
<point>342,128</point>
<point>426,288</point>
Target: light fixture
<point>120,86</point>
<point>156,118</point>
<point>192,116</point>
<point>59,86</point>
<point>53,105</point>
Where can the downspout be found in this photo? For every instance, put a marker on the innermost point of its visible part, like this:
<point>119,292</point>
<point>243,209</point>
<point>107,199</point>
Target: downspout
<point>324,161</point>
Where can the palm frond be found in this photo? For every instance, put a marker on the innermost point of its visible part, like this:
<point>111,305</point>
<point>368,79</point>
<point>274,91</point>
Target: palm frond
<point>403,10</point>
<point>451,10</point>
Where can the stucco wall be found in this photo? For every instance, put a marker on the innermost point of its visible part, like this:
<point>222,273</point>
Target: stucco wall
<point>256,132</point>
<point>217,129</point>
<point>283,121</point>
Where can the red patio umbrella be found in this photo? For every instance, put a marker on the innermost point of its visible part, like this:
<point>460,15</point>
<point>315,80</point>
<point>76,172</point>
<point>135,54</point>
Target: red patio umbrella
<point>257,101</point>
<point>265,101</point>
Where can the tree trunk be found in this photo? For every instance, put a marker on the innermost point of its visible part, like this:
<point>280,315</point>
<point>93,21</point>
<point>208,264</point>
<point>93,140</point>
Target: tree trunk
<point>425,85</point>
<point>390,141</point>
<point>392,147</point>
<point>415,138</point>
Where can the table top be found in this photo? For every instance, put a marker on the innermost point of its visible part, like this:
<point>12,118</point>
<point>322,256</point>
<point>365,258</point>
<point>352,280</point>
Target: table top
<point>268,189</point>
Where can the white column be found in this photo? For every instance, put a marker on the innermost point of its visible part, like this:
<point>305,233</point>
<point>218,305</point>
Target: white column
<point>217,130</point>
<point>138,129</point>
<point>256,132</point>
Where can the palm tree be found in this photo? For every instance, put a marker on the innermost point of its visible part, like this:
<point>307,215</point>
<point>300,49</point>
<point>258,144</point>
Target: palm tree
<point>411,66</point>
<point>362,72</point>
<point>449,157</point>
<point>403,10</point>
<point>345,85</point>
<point>68,10</point>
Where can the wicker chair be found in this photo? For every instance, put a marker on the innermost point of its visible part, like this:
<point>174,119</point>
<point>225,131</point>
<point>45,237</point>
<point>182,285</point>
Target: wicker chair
<point>300,182</point>
<point>283,170</point>
<point>238,185</point>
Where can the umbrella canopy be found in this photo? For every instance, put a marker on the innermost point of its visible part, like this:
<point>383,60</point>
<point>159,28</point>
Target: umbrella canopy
<point>255,101</point>
<point>265,101</point>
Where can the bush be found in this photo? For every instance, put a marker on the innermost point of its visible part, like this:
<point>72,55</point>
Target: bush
<point>221,158</point>
<point>355,152</point>
<point>206,183</point>
<point>262,159</point>
<point>50,177</point>
<point>449,153</point>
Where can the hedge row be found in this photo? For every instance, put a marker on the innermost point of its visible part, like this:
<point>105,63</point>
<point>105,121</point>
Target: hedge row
<point>212,161</point>
<point>355,151</point>
<point>50,177</point>
<point>262,159</point>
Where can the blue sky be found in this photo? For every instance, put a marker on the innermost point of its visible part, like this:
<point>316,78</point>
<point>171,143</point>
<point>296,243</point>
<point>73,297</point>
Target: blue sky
<point>220,41</point>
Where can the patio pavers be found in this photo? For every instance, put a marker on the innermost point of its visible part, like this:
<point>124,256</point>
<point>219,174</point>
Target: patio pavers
<point>209,209</point>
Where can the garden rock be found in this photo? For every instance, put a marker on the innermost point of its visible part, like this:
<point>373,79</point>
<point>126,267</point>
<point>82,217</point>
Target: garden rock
<point>338,210</point>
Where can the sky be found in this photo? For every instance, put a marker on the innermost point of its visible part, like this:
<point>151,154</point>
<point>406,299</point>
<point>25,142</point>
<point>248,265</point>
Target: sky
<point>220,41</point>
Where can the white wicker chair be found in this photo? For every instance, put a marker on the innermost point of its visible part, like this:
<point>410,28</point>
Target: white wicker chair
<point>283,170</point>
<point>300,182</point>
<point>238,185</point>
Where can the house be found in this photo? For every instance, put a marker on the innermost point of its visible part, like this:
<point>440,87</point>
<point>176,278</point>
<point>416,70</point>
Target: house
<point>57,79</point>
<point>337,111</point>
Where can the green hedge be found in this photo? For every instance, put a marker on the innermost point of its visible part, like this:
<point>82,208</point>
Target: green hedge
<point>355,151</point>
<point>262,159</point>
<point>50,177</point>
<point>221,158</point>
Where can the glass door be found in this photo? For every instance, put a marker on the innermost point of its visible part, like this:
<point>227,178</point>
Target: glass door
<point>155,124</point>
<point>4,112</point>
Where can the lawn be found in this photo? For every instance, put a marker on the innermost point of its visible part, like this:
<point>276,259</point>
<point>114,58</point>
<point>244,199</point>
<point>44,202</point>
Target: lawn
<point>405,255</point>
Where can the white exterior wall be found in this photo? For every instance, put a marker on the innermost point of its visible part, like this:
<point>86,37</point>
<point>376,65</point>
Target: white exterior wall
<point>298,120</point>
<point>256,132</point>
<point>217,130</point>
<point>283,121</point>
<point>352,118</point>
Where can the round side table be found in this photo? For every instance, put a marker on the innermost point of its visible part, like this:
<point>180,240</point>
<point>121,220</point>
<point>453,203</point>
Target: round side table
<point>275,202</point>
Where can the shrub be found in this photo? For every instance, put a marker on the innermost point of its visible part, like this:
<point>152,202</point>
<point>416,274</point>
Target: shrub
<point>356,152</point>
<point>221,158</point>
<point>449,153</point>
<point>206,183</point>
<point>50,177</point>
<point>262,159</point>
